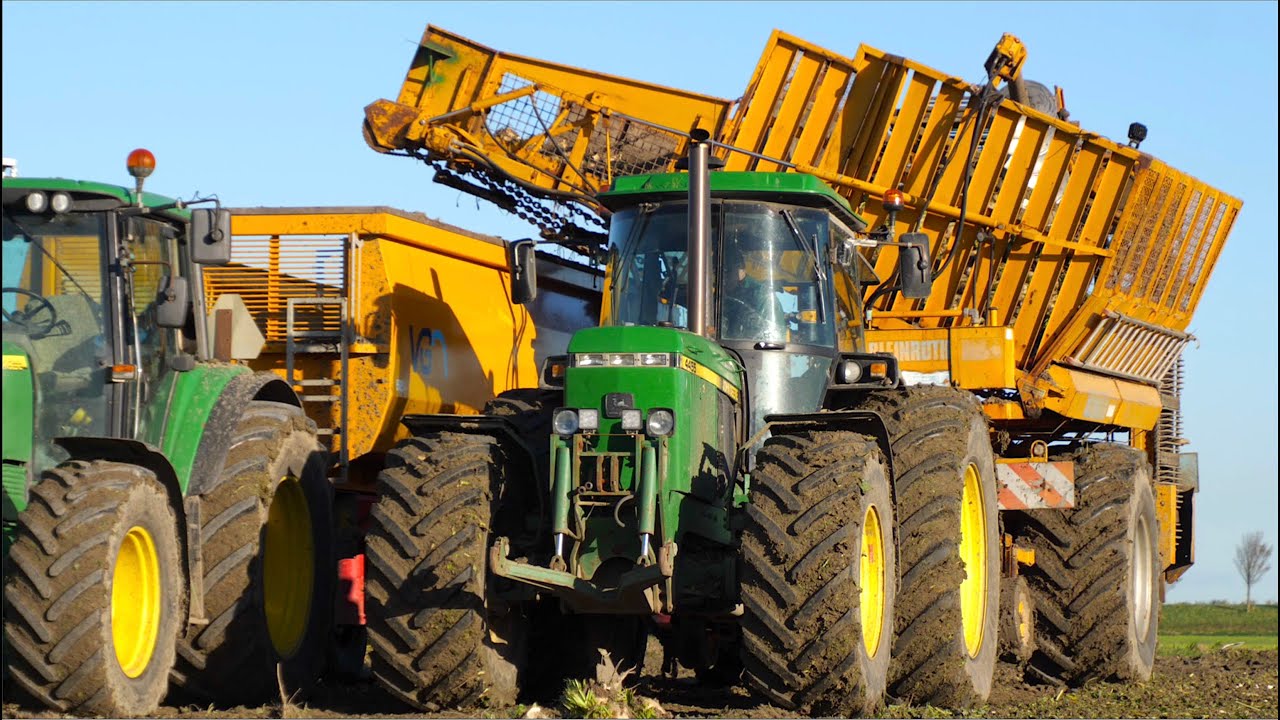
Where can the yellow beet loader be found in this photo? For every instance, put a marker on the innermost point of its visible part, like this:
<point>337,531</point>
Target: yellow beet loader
<point>963,292</point>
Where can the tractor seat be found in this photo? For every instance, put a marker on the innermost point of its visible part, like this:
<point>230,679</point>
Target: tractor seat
<point>67,358</point>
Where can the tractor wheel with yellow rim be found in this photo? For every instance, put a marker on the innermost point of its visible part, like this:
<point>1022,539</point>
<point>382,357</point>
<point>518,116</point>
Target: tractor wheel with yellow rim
<point>818,573</point>
<point>266,528</point>
<point>946,629</point>
<point>94,594</point>
<point>1096,580</point>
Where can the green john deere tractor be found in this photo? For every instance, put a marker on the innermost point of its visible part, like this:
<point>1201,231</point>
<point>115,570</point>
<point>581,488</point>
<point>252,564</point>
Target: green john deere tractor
<point>166,515</point>
<point>721,456</point>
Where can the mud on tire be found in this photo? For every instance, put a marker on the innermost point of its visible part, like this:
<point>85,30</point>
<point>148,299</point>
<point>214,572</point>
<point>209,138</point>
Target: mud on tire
<point>1017,621</point>
<point>274,472</point>
<point>938,434</point>
<point>61,577</point>
<point>426,577</point>
<point>1096,579</point>
<point>803,643</point>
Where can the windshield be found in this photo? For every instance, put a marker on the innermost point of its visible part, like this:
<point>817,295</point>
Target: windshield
<point>54,275</point>
<point>766,289</point>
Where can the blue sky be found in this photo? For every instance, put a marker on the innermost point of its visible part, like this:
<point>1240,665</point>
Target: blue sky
<point>262,103</point>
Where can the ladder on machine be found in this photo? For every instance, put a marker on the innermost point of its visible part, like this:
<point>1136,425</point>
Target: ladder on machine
<point>313,389</point>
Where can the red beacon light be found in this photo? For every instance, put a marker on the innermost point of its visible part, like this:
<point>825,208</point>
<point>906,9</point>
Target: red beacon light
<point>893,201</point>
<point>140,163</point>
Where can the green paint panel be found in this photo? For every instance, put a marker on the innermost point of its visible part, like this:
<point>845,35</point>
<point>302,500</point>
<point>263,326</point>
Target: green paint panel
<point>19,427</point>
<point>694,492</point>
<point>643,339</point>
<point>794,188</point>
<point>194,396</point>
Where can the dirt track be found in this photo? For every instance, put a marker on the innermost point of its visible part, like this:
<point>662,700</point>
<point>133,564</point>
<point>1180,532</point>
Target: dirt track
<point>1225,684</point>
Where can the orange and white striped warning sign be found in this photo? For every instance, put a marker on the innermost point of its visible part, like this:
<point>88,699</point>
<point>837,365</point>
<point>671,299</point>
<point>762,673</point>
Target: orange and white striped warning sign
<point>1036,485</point>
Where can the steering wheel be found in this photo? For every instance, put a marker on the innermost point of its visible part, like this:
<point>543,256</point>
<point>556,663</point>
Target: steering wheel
<point>761,319</point>
<point>27,318</point>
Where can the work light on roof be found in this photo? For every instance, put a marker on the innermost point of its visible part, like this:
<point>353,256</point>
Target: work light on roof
<point>60,202</point>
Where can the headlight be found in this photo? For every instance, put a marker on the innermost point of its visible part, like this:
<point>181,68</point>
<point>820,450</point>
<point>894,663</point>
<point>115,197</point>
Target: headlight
<point>850,372</point>
<point>660,423</point>
<point>37,202</point>
<point>60,202</point>
<point>632,420</point>
<point>624,359</point>
<point>565,421</point>
<point>589,419</point>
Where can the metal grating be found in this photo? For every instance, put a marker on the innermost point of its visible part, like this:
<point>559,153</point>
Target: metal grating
<point>1127,347</point>
<point>266,271</point>
<point>1169,427</point>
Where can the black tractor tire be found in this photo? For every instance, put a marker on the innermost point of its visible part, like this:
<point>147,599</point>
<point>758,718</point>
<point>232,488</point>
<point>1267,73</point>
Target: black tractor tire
<point>803,643</point>
<point>436,643</point>
<point>86,524</point>
<point>1017,621</point>
<point>529,410</point>
<point>938,435</point>
<point>257,542</point>
<point>1096,579</point>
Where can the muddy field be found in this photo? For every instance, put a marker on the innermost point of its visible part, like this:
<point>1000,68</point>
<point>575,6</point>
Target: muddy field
<point>1219,684</point>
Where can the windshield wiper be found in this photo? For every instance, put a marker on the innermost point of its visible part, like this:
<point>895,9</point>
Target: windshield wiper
<point>31,237</point>
<point>812,251</point>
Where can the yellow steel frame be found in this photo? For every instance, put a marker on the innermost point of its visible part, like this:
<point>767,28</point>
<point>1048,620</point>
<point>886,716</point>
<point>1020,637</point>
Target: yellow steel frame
<point>1075,230</point>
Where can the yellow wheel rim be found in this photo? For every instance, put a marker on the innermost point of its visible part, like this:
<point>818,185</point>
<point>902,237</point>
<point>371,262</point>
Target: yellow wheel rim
<point>289,567</point>
<point>973,551</point>
<point>1024,622</point>
<point>871,580</point>
<point>135,601</point>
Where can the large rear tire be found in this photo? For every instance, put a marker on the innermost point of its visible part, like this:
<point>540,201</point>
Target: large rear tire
<point>1096,579</point>
<point>93,592</point>
<point>948,604</point>
<point>267,541</point>
<point>435,643</point>
<point>818,573</point>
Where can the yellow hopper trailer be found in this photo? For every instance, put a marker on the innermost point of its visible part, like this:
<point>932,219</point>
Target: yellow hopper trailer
<point>1065,269</point>
<point>372,313</point>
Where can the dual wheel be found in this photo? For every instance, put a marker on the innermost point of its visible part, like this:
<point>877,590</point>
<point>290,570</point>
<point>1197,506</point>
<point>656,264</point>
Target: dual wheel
<point>861,584</point>
<point>96,585</point>
<point>438,641</point>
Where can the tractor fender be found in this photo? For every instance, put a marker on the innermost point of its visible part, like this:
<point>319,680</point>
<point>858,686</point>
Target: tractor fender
<point>495,426</point>
<point>868,422</point>
<point>216,440</point>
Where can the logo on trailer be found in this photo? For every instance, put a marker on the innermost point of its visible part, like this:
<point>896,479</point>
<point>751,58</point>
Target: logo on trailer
<point>423,345</point>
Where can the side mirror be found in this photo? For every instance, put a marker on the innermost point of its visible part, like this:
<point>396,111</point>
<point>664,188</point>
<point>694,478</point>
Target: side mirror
<point>524,272</point>
<point>172,302</point>
<point>210,236</point>
<point>914,271</point>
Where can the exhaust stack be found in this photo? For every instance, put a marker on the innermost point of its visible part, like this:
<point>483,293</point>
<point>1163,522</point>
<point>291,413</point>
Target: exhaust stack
<point>699,228</point>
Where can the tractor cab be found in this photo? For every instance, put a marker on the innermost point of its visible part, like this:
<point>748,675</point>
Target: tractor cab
<point>785,282</point>
<point>96,308</point>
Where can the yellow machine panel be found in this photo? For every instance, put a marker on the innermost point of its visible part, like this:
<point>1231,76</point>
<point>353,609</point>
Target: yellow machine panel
<point>422,309</point>
<point>972,358</point>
